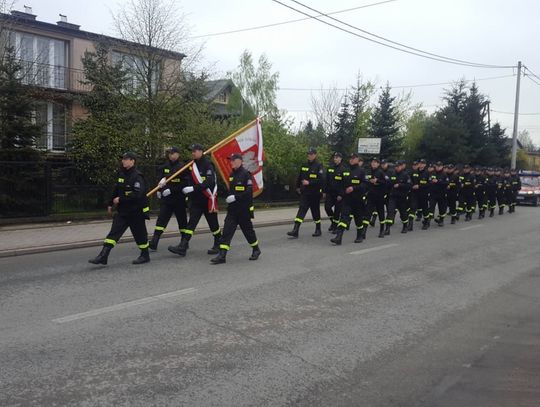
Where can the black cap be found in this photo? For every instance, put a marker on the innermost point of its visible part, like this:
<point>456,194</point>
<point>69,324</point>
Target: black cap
<point>383,161</point>
<point>312,150</point>
<point>354,155</point>
<point>236,156</point>
<point>422,161</point>
<point>196,147</point>
<point>451,166</point>
<point>400,162</point>
<point>129,155</point>
<point>439,164</point>
<point>466,166</point>
<point>375,159</point>
<point>173,150</point>
<point>415,162</point>
<point>337,154</point>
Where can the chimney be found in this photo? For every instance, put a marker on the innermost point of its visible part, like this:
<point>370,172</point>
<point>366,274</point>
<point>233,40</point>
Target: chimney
<point>25,15</point>
<point>64,23</point>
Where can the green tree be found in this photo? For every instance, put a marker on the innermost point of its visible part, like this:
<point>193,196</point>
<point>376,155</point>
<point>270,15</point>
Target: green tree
<point>258,85</point>
<point>343,137</point>
<point>384,125</point>
<point>415,129</point>
<point>313,136</point>
<point>361,108</point>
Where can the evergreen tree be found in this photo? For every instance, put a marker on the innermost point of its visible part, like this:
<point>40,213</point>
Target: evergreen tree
<point>313,136</point>
<point>16,106</point>
<point>384,125</point>
<point>342,139</point>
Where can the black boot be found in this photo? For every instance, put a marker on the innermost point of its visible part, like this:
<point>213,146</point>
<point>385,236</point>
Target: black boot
<point>181,249</point>
<point>468,217</point>
<point>410,225</point>
<point>144,257</point>
<point>387,229</point>
<point>440,221</point>
<point>405,227</point>
<point>294,233</point>
<point>339,236</point>
<point>492,212</point>
<point>220,258</point>
<point>317,230</point>
<point>373,220</point>
<point>359,236</point>
<point>154,242</point>
<point>426,224</point>
<point>501,210</point>
<point>255,253</point>
<point>215,248</point>
<point>381,231</point>
<point>480,214</point>
<point>102,257</point>
<point>332,226</point>
<point>453,220</point>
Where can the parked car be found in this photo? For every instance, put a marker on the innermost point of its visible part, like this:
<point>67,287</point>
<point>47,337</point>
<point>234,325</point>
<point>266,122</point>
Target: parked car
<point>530,188</point>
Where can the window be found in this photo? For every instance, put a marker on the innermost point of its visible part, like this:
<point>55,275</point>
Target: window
<point>52,119</point>
<point>137,69</point>
<point>222,97</point>
<point>44,59</point>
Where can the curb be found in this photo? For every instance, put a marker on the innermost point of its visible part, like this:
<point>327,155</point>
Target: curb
<point>95,243</point>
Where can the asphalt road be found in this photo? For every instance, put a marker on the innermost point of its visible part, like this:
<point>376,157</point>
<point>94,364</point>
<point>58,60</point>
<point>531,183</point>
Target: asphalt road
<point>445,317</point>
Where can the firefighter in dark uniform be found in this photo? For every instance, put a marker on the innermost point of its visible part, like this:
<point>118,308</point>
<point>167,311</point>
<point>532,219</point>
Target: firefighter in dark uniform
<point>413,195</point>
<point>203,185</point>
<point>398,197</point>
<point>508,190</point>
<point>172,200</point>
<point>309,185</point>
<point>239,211</point>
<point>423,191</point>
<point>439,185</point>
<point>467,192</point>
<point>452,192</point>
<point>354,190</point>
<point>515,182</point>
<point>376,191</point>
<point>501,187</point>
<point>389,173</point>
<point>129,198</point>
<point>333,191</point>
<point>480,191</point>
<point>491,191</point>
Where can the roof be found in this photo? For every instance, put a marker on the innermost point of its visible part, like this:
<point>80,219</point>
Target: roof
<point>73,31</point>
<point>214,88</point>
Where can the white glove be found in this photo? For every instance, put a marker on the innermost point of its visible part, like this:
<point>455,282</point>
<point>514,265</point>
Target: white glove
<point>158,195</point>
<point>230,199</point>
<point>188,190</point>
<point>162,182</point>
<point>167,192</point>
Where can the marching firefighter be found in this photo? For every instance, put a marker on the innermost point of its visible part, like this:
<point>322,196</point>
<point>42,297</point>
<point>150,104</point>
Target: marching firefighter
<point>501,188</point>
<point>333,190</point>
<point>354,189</point>
<point>515,182</point>
<point>413,195</point>
<point>491,191</point>
<point>439,184</point>
<point>172,200</point>
<point>398,198</point>
<point>309,185</point>
<point>467,192</point>
<point>389,174</point>
<point>202,192</point>
<point>452,192</point>
<point>480,191</point>
<point>239,211</point>
<point>508,190</point>
<point>129,198</point>
<point>423,192</point>
<point>376,191</point>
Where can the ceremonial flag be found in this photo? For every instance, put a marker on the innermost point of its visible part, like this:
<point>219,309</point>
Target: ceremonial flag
<point>248,142</point>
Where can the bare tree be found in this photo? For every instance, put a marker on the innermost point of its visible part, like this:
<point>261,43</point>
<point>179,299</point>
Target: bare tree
<point>326,104</point>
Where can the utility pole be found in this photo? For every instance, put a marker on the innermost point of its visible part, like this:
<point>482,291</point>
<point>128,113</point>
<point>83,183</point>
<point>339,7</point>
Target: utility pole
<point>516,116</point>
<point>489,119</point>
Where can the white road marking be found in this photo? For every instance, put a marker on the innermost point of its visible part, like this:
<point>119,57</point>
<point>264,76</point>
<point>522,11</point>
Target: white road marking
<point>375,249</point>
<point>471,227</point>
<point>123,305</point>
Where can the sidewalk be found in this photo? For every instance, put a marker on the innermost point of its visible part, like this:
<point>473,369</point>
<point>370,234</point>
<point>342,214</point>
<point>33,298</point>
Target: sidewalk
<point>28,239</point>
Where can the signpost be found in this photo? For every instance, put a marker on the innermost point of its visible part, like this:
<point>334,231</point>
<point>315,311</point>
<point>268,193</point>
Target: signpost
<point>369,146</point>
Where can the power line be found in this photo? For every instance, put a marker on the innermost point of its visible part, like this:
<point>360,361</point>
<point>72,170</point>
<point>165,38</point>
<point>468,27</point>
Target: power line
<point>524,114</point>
<point>400,86</point>
<point>531,78</point>
<point>531,72</point>
<point>423,54</point>
<point>258,27</point>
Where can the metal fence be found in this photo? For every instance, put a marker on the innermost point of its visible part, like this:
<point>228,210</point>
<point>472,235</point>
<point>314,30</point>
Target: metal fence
<point>39,189</point>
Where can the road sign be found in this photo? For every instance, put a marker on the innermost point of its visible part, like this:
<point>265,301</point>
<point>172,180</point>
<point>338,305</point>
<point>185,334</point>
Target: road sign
<point>369,146</point>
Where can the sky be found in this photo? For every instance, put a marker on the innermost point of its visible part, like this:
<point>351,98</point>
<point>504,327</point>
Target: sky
<point>311,55</point>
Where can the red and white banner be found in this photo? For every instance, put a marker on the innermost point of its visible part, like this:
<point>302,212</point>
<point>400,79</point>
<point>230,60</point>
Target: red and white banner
<point>249,143</point>
<point>211,195</point>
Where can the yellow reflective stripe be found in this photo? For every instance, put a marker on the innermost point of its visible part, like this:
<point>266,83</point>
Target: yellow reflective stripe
<point>187,231</point>
<point>121,180</point>
<point>355,181</point>
<point>225,247</point>
<point>423,182</point>
<point>166,170</point>
<point>331,170</point>
<point>346,173</point>
<point>312,175</point>
<point>144,246</point>
<point>337,177</point>
<point>110,241</point>
<point>298,220</point>
<point>231,178</point>
<point>146,209</point>
<point>239,188</point>
<point>317,221</point>
<point>254,243</point>
<point>161,228</point>
<point>176,180</point>
<point>342,224</point>
<point>365,222</point>
<point>251,208</point>
<point>217,232</point>
<point>305,169</point>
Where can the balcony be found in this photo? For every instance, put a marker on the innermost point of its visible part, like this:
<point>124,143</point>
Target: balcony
<point>53,77</point>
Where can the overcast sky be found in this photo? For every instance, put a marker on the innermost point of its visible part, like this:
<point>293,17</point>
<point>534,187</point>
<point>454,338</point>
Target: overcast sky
<point>309,54</point>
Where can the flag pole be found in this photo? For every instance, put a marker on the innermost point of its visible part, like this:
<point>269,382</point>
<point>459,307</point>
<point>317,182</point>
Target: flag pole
<point>211,149</point>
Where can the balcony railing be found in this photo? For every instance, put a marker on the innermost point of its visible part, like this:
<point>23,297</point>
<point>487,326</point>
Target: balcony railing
<point>53,77</point>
